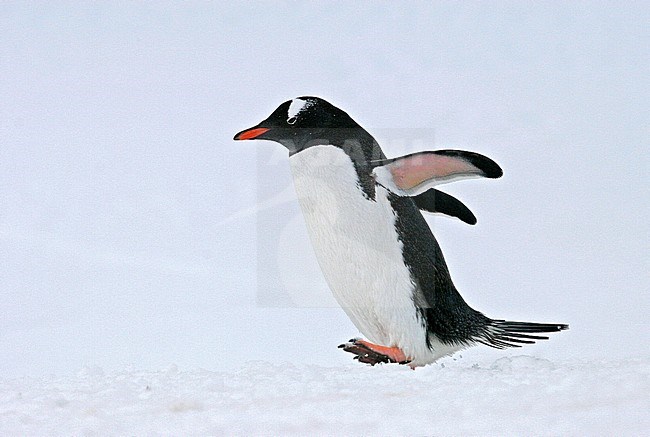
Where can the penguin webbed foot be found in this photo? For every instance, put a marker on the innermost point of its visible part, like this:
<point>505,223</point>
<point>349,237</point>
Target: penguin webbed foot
<point>368,353</point>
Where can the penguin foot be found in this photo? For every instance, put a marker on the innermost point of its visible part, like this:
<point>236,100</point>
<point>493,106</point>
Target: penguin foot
<point>369,353</point>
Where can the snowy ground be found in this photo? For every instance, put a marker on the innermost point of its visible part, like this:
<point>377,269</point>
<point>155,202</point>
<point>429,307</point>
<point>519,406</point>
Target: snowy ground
<point>514,395</point>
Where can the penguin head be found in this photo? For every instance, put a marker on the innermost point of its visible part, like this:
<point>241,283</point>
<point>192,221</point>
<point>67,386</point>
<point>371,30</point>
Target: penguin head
<point>300,123</point>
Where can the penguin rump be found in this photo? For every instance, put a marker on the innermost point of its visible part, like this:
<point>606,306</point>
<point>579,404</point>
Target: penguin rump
<point>377,253</point>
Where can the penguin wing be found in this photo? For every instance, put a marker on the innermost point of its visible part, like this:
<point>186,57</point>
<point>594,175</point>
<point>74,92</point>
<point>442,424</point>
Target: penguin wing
<point>412,175</point>
<point>436,201</point>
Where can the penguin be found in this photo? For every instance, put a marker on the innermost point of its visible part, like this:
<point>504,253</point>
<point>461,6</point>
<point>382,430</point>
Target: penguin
<point>375,249</point>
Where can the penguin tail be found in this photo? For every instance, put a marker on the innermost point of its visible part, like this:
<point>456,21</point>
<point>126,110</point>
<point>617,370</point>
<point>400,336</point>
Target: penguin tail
<point>501,334</point>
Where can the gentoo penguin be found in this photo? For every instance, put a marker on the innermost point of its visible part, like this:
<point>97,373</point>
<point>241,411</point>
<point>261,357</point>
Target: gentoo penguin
<point>376,251</point>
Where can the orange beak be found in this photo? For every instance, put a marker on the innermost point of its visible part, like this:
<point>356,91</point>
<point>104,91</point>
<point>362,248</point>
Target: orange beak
<point>250,134</point>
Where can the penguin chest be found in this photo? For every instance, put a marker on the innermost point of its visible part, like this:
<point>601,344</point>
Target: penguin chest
<point>357,246</point>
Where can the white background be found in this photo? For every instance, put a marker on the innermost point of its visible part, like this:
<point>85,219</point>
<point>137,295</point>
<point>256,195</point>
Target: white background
<point>128,216</point>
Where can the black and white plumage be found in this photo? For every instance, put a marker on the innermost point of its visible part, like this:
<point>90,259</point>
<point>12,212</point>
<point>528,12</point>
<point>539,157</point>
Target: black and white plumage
<point>376,251</point>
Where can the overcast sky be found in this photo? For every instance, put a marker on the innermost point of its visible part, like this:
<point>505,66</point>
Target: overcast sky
<point>135,232</point>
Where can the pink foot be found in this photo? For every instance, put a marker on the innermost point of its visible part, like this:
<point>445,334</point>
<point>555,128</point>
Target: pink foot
<point>372,354</point>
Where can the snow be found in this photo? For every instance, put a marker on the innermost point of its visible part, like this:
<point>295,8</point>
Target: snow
<point>510,396</point>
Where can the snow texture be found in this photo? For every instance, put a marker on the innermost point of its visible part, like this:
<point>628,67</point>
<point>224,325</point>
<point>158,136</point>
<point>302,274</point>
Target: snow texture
<point>512,396</point>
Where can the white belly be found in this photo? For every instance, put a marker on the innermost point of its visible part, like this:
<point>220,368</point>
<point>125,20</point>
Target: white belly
<point>358,249</point>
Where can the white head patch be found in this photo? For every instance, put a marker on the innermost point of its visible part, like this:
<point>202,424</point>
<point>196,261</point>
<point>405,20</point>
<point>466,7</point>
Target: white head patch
<point>297,106</point>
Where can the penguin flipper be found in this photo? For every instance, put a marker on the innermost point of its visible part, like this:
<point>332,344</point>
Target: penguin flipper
<point>411,175</point>
<point>436,201</point>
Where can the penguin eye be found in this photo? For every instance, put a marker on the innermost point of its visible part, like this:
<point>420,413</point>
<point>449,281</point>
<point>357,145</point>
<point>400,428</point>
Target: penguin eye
<point>292,120</point>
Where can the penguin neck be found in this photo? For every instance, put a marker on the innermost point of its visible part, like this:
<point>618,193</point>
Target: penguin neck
<point>359,150</point>
<point>362,149</point>
<point>358,144</point>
